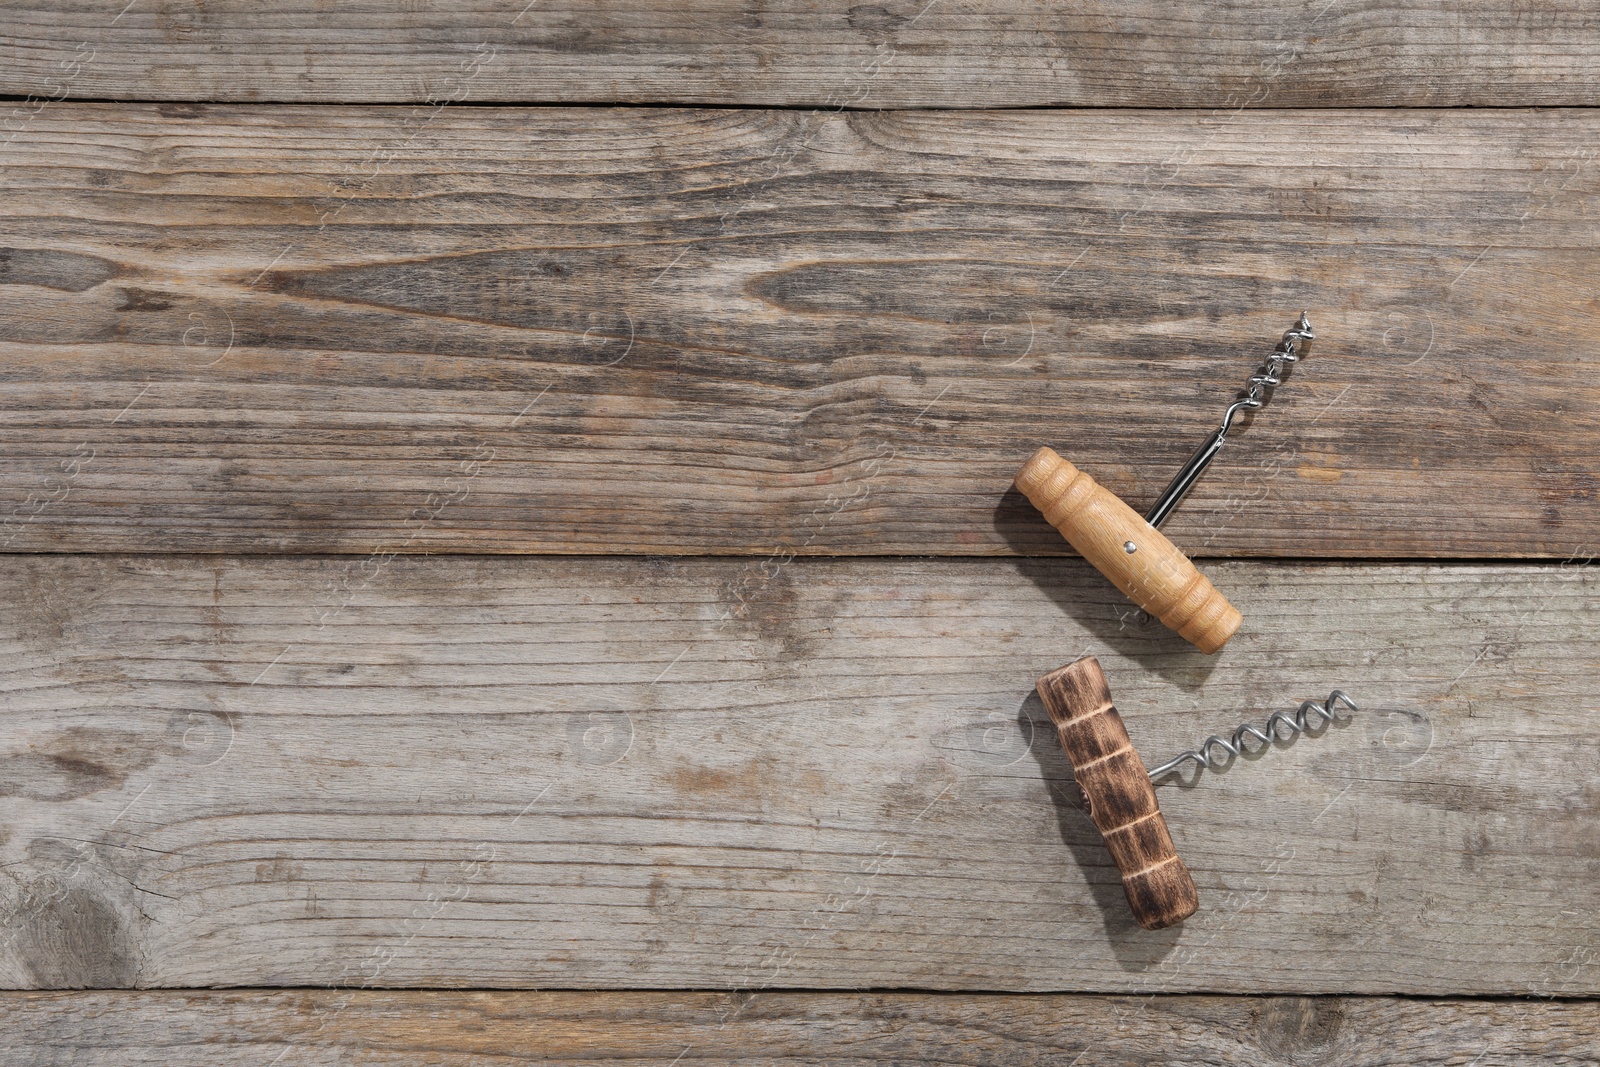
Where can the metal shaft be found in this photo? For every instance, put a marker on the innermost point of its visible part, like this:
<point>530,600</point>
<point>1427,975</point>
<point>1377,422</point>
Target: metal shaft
<point>1179,486</point>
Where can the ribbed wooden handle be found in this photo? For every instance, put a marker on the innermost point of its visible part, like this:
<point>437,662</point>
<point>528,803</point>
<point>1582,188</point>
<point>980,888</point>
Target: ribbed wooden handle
<point>1155,575</point>
<point>1122,802</point>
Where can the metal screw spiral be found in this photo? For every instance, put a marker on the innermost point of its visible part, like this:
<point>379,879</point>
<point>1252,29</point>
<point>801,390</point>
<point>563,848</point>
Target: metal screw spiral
<point>1217,750</point>
<point>1256,390</point>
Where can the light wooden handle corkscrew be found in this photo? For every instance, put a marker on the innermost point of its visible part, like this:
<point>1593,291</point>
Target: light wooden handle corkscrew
<point>1122,803</point>
<point>1138,558</point>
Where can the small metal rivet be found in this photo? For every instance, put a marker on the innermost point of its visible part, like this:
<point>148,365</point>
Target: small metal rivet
<point>1129,547</point>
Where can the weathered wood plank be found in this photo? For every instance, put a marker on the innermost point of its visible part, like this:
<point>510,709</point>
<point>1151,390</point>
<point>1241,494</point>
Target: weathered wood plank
<point>448,1029</point>
<point>904,53</point>
<point>534,772</point>
<point>500,330</point>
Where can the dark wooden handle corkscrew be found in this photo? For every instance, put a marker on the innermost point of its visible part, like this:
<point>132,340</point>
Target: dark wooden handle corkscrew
<point>1122,802</point>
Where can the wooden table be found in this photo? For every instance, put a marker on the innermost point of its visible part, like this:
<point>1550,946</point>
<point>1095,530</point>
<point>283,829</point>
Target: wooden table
<point>510,553</point>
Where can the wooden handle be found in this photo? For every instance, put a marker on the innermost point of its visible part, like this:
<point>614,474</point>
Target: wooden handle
<point>1122,802</point>
<point>1155,575</point>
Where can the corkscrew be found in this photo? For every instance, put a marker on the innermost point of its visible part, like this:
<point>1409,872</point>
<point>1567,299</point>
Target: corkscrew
<point>1129,550</point>
<point>1119,791</point>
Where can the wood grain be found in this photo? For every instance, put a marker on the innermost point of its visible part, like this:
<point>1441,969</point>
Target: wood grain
<point>459,1029</point>
<point>802,53</point>
<point>668,773</point>
<point>506,330</point>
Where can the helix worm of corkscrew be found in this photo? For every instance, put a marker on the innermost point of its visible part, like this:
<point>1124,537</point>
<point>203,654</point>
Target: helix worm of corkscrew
<point>1257,391</point>
<point>1280,726</point>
